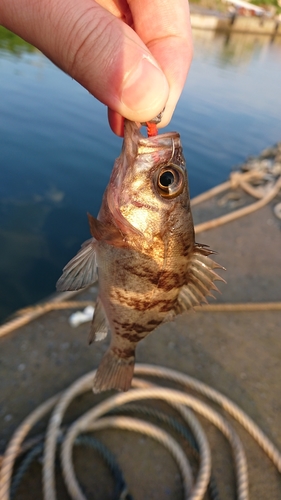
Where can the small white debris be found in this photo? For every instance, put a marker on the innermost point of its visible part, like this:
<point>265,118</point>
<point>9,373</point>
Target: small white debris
<point>80,317</point>
<point>21,367</point>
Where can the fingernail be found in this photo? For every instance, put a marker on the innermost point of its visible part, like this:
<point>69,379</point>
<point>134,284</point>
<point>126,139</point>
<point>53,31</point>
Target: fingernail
<point>145,88</point>
<point>116,122</point>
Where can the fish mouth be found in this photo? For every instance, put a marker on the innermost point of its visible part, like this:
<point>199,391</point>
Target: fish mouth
<point>136,143</point>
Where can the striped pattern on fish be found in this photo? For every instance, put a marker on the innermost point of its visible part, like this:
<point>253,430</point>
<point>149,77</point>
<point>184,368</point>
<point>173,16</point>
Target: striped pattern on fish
<point>149,267</point>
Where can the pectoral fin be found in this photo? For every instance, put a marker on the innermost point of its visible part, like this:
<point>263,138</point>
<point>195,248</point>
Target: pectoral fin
<point>99,326</point>
<point>200,279</point>
<point>81,271</point>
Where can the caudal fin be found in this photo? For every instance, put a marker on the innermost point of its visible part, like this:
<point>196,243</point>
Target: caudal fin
<point>114,373</point>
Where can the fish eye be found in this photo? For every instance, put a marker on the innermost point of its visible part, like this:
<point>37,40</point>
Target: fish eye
<point>170,181</point>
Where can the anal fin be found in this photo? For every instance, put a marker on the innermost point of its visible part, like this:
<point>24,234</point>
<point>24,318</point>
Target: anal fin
<point>99,328</point>
<point>114,372</point>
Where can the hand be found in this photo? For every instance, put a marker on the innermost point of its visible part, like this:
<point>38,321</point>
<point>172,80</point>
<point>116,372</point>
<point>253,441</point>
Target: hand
<point>132,55</point>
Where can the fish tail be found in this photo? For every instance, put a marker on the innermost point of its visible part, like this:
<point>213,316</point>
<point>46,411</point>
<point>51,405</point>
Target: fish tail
<point>114,372</point>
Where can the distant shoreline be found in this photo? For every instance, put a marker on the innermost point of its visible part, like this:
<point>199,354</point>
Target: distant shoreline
<point>217,21</point>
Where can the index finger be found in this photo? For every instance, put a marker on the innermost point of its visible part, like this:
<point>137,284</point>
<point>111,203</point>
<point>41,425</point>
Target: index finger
<point>164,27</point>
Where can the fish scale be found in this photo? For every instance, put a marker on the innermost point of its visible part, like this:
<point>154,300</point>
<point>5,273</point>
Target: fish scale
<point>143,252</point>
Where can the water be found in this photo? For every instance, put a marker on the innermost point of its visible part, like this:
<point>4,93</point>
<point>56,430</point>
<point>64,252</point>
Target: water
<point>57,151</point>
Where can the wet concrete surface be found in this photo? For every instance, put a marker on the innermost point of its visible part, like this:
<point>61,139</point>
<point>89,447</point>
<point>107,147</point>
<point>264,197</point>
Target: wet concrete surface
<point>236,353</point>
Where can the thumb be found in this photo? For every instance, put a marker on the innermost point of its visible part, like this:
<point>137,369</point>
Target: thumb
<point>96,48</point>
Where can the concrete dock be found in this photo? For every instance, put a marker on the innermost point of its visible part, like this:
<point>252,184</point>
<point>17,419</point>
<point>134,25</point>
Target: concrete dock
<point>237,353</point>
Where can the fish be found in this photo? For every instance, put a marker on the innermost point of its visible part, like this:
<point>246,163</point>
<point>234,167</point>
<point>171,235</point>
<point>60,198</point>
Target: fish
<point>142,251</point>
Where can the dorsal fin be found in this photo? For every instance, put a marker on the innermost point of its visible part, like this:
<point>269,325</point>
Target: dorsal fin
<point>99,328</point>
<point>200,279</point>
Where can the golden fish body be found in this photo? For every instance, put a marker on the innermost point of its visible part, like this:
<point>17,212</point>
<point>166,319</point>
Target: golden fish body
<point>149,266</point>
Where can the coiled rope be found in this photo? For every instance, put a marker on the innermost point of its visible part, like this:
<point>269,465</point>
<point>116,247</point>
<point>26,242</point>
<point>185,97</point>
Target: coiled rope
<point>121,490</point>
<point>97,418</point>
<point>238,179</point>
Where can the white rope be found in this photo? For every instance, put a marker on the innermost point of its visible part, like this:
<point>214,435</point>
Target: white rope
<point>14,445</point>
<point>94,419</point>
<point>268,447</point>
<point>130,424</point>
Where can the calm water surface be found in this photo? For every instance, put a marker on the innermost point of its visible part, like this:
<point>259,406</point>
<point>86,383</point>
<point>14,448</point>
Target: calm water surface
<point>57,151</point>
